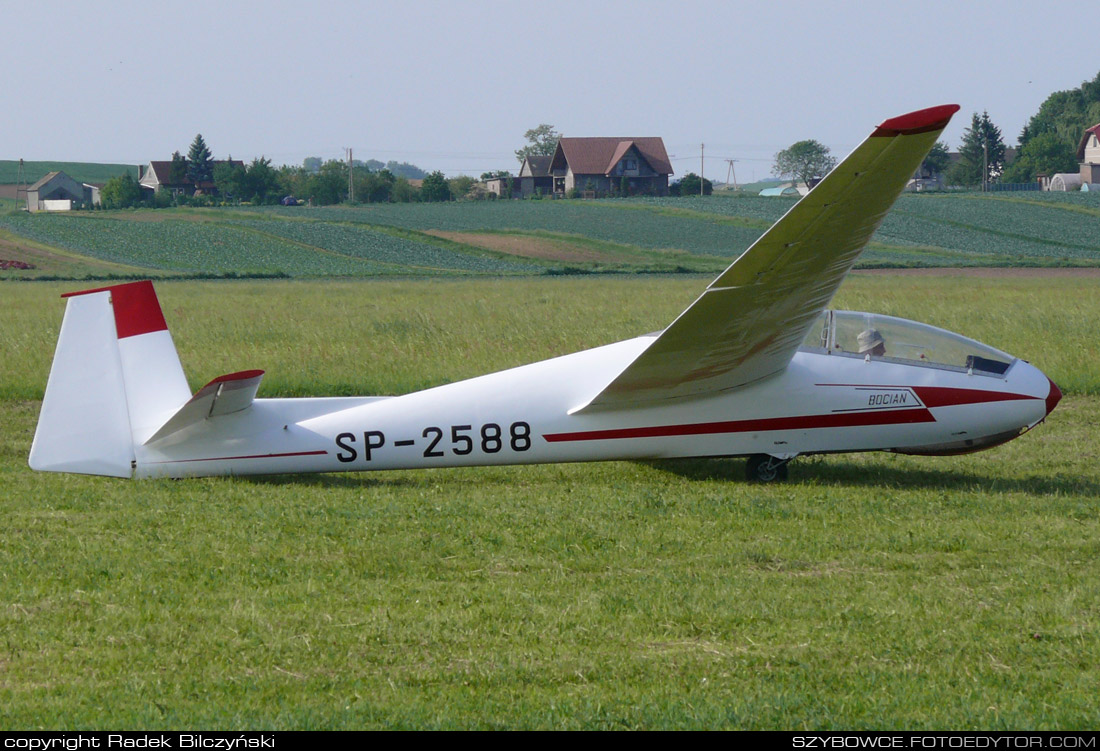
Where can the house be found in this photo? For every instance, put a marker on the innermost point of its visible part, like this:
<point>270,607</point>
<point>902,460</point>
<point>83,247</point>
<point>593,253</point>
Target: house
<point>604,166</point>
<point>54,192</point>
<point>158,176</point>
<point>534,176</point>
<point>1088,155</point>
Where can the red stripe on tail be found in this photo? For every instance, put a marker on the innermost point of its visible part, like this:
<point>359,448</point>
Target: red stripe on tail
<point>137,310</point>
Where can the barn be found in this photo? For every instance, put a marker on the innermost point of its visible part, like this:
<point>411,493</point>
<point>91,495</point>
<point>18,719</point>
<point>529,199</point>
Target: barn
<point>54,192</point>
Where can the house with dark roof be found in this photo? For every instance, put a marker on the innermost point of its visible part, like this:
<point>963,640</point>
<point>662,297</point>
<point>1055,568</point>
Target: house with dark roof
<point>158,176</point>
<point>605,166</point>
<point>534,176</point>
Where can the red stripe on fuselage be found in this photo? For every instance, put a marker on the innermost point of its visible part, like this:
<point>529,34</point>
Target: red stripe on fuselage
<point>252,456</point>
<point>941,396</point>
<point>802,422</point>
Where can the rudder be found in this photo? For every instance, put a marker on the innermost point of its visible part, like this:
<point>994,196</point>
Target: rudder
<point>115,379</point>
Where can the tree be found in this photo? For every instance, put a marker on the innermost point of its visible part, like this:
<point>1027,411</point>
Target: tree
<point>540,141</point>
<point>1066,114</point>
<point>199,158</point>
<point>406,170</point>
<point>434,188</point>
<point>403,191</point>
<point>229,179</point>
<point>938,159</point>
<point>501,173</point>
<point>1045,153</point>
<point>804,161</point>
<point>460,186</point>
<point>261,180</point>
<point>688,185</point>
<point>330,184</point>
<point>981,143</point>
<point>312,164</point>
<point>120,192</point>
<point>177,171</point>
<point>374,187</point>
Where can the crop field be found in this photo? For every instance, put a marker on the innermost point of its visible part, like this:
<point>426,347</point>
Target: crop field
<point>871,591</point>
<point>545,236</point>
<point>86,172</point>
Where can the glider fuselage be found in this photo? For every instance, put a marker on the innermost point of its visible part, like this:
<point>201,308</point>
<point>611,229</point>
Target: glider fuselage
<point>821,403</point>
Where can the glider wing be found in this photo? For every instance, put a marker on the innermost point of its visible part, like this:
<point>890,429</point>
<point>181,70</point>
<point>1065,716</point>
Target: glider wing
<point>749,322</point>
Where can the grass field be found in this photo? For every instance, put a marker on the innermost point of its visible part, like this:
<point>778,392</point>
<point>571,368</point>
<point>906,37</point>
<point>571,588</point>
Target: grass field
<point>872,591</point>
<point>85,172</point>
<point>534,237</point>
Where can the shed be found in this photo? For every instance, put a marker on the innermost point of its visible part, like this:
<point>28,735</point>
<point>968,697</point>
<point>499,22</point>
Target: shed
<point>53,187</point>
<point>1064,181</point>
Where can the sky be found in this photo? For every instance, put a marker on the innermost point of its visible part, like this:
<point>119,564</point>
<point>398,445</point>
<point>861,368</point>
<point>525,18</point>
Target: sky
<point>454,85</point>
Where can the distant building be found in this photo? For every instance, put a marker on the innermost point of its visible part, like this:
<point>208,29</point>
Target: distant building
<point>786,189</point>
<point>1064,181</point>
<point>1088,155</point>
<point>158,176</point>
<point>602,165</point>
<point>535,177</point>
<point>54,192</point>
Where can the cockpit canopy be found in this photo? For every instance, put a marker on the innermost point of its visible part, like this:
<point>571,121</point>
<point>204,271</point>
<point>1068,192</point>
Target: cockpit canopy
<point>854,334</point>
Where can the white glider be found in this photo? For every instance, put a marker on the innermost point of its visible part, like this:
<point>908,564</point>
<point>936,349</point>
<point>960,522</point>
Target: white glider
<point>756,366</point>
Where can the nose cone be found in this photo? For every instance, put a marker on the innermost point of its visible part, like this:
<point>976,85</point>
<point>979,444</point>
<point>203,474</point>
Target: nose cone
<point>1053,397</point>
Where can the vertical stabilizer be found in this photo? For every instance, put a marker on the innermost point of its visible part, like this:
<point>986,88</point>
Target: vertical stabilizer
<point>115,379</point>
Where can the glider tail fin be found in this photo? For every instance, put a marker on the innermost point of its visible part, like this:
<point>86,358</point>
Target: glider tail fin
<point>115,379</point>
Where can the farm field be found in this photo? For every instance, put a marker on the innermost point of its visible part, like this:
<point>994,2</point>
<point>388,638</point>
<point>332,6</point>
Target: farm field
<point>541,237</point>
<point>86,172</point>
<point>871,591</point>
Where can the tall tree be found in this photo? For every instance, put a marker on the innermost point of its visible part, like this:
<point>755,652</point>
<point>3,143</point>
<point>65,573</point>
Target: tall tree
<point>541,141</point>
<point>981,143</point>
<point>804,161</point>
<point>199,160</point>
<point>937,160</point>
<point>1066,114</point>
<point>120,192</point>
<point>261,181</point>
<point>177,171</point>
<point>229,179</point>
<point>434,188</point>
<point>1045,153</point>
<point>688,186</point>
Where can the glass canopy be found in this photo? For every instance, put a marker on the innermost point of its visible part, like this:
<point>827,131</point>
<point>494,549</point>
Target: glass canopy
<point>850,333</point>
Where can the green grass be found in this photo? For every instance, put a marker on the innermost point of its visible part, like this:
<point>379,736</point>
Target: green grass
<point>87,172</point>
<point>871,591</point>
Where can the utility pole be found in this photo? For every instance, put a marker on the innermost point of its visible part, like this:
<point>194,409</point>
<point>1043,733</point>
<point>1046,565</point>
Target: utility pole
<point>985,163</point>
<point>701,146</point>
<point>731,171</point>
<point>21,185</point>
<point>351,183</point>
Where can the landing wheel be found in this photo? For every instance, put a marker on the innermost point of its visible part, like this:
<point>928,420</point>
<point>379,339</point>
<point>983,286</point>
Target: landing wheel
<point>765,468</point>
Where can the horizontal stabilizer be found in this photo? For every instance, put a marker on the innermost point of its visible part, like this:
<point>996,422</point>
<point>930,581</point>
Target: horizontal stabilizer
<point>222,396</point>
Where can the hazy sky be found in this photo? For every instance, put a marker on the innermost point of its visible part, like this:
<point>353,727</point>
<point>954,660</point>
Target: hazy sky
<point>453,85</point>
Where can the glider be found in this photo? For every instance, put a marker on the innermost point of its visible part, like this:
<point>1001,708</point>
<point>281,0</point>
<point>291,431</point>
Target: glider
<point>757,366</point>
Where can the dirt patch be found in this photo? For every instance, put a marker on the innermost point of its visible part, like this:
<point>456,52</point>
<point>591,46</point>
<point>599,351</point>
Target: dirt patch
<point>989,272</point>
<point>46,261</point>
<point>528,246</point>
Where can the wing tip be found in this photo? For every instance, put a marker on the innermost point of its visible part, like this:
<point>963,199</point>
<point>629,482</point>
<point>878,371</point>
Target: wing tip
<point>920,121</point>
